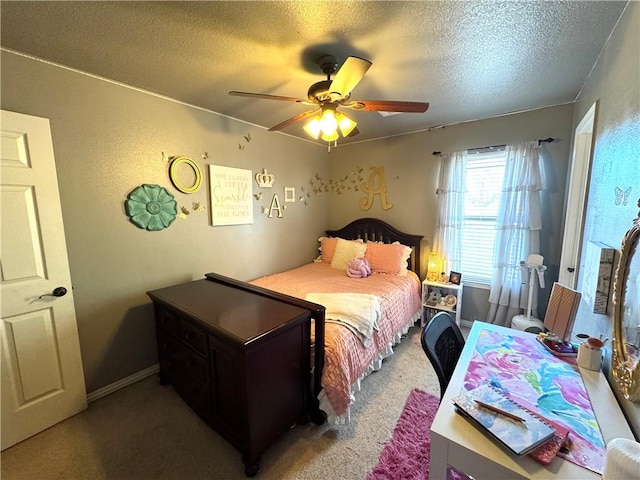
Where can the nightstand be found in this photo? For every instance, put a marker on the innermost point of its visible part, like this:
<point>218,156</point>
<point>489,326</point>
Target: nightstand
<point>441,297</point>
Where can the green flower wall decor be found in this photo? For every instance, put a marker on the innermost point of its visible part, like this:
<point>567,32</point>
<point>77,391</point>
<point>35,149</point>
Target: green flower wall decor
<point>151,207</point>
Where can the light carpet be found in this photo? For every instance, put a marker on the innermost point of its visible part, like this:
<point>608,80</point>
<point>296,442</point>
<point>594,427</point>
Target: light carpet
<point>146,432</point>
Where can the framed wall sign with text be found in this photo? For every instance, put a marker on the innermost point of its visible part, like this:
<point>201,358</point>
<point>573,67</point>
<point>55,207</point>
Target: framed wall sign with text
<point>231,190</point>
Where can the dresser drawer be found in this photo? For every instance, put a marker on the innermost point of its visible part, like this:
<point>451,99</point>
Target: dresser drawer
<point>195,394</point>
<point>167,320</point>
<point>183,328</point>
<point>191,364</point>
<point>193,335</point>
<point>176,359</point>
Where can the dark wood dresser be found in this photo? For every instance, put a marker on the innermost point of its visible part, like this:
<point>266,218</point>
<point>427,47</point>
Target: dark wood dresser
<point>240,357</point>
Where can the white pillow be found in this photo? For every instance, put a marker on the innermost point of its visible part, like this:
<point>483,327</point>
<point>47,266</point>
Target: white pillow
<point>346,250</point>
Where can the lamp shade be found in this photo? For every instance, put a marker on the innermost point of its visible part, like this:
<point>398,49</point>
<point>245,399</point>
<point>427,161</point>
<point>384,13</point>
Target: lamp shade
<point>345,124</point>
<point>329,125</point>
<point>313,128</point>
<point>434,262</point>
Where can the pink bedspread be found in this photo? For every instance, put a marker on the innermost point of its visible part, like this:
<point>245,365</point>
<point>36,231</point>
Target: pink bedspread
<point>346,359</point>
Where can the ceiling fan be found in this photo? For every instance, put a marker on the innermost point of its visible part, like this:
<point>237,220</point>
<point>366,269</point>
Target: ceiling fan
<point>327,95</point>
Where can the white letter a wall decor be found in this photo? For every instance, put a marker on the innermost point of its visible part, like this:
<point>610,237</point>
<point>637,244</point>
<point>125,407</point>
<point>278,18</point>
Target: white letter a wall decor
<point>275,205</point>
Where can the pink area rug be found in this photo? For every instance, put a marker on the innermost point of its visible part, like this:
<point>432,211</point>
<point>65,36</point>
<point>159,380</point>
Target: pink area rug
<point>406,455</point>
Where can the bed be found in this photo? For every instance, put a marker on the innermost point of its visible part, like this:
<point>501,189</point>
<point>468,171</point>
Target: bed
<point>391,294</point>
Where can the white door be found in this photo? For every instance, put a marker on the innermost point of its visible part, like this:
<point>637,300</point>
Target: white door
<point>576,200</point>
<point>42,376</point>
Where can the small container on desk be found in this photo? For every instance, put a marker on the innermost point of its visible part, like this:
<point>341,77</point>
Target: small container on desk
<point>441,297</point>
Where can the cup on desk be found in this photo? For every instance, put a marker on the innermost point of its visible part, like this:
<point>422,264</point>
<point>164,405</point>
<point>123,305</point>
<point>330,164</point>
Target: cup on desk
<point>622,459</point>
<point>590,354</point>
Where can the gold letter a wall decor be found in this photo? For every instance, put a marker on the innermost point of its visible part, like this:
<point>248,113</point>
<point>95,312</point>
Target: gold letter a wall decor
<point>369,187</point>
<point>275,205</point>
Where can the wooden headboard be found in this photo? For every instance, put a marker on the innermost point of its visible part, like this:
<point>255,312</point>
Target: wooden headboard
<point>374,230</point>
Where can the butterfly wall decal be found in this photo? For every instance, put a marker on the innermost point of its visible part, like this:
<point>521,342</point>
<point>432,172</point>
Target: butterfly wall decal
<point>622,196</point>
<point>184,211</point>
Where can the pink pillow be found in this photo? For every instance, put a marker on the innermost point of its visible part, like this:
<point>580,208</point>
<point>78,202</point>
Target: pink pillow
<point>358,268</point>
<point>327,248</point>
<point>388,258</point>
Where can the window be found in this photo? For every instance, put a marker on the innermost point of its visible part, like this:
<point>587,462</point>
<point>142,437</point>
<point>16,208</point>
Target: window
<point>481,202</point>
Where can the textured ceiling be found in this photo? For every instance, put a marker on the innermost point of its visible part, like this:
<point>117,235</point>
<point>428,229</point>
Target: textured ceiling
<point>469,60</point>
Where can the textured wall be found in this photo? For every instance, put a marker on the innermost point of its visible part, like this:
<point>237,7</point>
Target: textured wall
<point>107,140</point>
<point>615,85</point>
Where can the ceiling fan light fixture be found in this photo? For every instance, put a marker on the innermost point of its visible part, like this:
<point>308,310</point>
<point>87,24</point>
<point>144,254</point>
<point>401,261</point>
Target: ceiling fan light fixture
<point>329,125</point>
<point>329,136</point>
<point>328,122</point>
<point>345,124</point>
<point>314,127</point>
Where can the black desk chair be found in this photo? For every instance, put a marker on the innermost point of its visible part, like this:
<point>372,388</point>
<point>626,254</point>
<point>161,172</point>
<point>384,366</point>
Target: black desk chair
<point>442,341</point>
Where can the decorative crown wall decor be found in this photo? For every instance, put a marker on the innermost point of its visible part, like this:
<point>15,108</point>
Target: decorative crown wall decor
<point>265,179</point>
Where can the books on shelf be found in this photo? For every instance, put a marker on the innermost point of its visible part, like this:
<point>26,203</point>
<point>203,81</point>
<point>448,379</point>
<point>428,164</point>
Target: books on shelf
<point>502,419</point>
<point>429,313</point>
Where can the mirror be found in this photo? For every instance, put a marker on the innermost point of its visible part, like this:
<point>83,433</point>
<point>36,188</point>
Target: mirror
<point>626,315</point>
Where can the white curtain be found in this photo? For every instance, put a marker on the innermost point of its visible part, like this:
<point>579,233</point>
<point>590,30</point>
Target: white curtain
<point>451,189</point>
<point>519,223</point>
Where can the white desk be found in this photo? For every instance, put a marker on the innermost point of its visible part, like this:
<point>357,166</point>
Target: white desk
<point>456,442</point>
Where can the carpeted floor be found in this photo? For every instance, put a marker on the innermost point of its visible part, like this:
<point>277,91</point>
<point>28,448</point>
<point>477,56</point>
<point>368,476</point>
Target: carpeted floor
<point>406,455</point>
<point>145,431</point>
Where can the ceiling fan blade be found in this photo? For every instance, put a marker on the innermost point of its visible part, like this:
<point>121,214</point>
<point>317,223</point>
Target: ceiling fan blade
<point>271,97</point>
<point>354,132</point>
<point>349,75</point>
<point>297,118</point>
<point>388,106</point>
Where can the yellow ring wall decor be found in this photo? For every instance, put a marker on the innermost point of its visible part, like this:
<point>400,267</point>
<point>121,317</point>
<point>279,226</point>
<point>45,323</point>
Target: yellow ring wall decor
<point>174,179</point>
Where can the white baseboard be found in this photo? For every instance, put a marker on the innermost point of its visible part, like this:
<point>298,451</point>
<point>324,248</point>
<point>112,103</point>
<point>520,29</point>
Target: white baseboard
<point>466,323</point>
<point>124,382</point>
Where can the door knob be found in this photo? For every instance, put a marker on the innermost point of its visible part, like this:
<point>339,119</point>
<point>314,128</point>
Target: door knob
<point>57,292</point>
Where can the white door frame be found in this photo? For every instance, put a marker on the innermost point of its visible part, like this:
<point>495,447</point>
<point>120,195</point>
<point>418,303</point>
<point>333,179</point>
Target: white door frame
<point>577,196</point>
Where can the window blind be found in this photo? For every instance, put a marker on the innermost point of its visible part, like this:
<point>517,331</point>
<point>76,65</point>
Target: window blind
<point>482,200</point>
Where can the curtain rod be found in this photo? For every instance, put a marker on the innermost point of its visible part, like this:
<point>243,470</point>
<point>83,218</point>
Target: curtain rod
<point>544,140</point>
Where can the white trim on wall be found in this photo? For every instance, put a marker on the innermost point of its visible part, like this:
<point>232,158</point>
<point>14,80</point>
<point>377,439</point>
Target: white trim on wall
<point>466,323</point>
<point>124,382</point>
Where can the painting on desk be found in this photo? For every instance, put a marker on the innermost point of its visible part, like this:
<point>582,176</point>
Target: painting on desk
<point>550,386</point>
